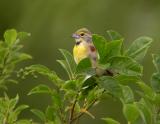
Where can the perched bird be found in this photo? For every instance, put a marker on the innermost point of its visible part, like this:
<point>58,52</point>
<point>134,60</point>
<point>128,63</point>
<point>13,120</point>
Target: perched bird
<point>84,47</point>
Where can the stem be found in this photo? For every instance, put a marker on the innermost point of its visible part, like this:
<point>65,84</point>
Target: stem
<point>86,108</point>
<point>72,110</point>
<point>78,116</point>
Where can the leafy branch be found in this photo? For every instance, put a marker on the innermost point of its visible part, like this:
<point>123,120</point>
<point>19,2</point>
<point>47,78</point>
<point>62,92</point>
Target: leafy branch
<point>84,88</point>
<point>73,98</point>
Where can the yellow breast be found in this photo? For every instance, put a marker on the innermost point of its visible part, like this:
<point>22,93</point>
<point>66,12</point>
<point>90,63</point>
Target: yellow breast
<point>80,52</point>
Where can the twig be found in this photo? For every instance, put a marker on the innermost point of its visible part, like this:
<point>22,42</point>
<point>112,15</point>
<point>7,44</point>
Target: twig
<point>78,116</point>
<point>72,110</point>
<point>91,104</point>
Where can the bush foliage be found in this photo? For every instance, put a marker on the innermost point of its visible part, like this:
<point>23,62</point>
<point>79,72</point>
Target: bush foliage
<point>73,98</point>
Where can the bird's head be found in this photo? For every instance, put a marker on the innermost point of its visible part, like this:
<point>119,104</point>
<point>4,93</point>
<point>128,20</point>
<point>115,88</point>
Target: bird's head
<point>82,35</point>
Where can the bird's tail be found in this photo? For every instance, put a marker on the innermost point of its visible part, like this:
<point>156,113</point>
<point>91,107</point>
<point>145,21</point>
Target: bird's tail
<point>102,72</point>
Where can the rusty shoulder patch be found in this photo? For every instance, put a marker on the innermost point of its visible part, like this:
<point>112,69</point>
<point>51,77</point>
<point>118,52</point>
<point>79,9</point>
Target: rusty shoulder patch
<point>92,48</point>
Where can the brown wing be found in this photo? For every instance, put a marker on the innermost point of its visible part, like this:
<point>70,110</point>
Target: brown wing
<point>92,48</point>
<point>93,55</point>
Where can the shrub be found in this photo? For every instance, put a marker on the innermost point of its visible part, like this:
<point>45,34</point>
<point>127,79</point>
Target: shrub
<point>73,98</point>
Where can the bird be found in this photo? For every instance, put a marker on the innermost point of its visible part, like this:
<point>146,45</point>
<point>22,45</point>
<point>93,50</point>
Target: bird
<point>84,47</point>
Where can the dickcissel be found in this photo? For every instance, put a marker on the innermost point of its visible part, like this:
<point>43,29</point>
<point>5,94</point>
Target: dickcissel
<point>84,47</point>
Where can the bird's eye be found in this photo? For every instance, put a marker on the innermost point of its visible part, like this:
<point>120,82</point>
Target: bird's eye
<point>82,34</point>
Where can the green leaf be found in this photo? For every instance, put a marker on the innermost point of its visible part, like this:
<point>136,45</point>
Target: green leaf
<point>13,102</point>
<point>107,49</point>
<point>156,61</point>
<point>139,47</point>
<point>85,66</point>
<point>43,70</point>
<point>110,121</point>
<point>94,94</point>
<point>126,79</point>
<point>20,108</point>
<point>8,107</point>
<point>3,54</point>
<point>126,66</point>
<point>10,36</point>
<point>111,85</point>
<point>64,64</point>
<point>128,96</point>
<point>40,89</point>
<point>23,35</point>
<point>69,94</point>
<point>100,44</point>
<point>113,48</point>
<point>18,57</point>
<point>155,82</point>
<point>50,113</point>
<point>77,108</point>
<point>69,59</point>
<point>39,114</point>
<point>69,85</point>
<point>56,100</point>
<point>13,116</point>
<point>130,112</point>
<point>88,85</point>
<point>145,112</point>
<point>24,56</point>
<point>12,81</point>
<point>114,35</point>
<point>103,66</point>
<point>146,89</point>
<point>70,63</point>
<point>24,122</point>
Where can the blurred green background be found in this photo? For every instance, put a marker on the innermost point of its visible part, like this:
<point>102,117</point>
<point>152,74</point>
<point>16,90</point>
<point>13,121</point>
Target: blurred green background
<point>51,23</point>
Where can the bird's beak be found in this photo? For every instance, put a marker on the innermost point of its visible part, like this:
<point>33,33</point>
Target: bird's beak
<point>76,36</point>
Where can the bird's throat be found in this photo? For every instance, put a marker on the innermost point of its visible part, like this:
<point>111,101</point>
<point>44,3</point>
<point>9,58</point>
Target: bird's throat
<point>78,43</point>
